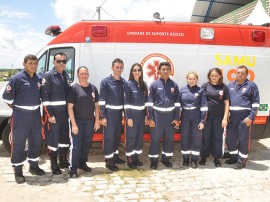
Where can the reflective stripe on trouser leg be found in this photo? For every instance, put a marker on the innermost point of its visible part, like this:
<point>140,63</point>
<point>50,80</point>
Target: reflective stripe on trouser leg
<point>112,132</point>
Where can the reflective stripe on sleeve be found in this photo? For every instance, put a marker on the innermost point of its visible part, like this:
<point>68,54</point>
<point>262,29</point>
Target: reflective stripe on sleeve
<point>177,104</point>
<point>134,107</point>
<point>164,109</point>
<point>54,103</point>
<point>239,108</point>
<point>203,109</point>
<point>189,108</point>
<point>63,145</point>
<point>114,107</point>
<point>101,102</point>
<point>28,107</point>
<point>255,105</point>
<point>149,104</point>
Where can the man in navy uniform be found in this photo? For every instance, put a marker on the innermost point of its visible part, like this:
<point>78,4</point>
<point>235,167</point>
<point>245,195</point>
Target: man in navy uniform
<point>55,84</point>
<point>111,107</point>
<point>163,115</point>
<point>244,103</point>
<point>23,96</point>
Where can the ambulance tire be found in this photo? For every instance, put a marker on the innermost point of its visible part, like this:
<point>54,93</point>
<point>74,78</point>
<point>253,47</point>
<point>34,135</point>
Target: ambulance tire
<point>6,137</point>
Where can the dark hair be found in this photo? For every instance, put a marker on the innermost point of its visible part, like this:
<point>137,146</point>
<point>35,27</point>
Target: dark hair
<point>164,64</point>
<point>29,57</point>
<point>81,68</point>
<point>141,82</point>
<point>59,53</point>
<point>217,70</point>
<point>243,67</point>
<point>117,60</point>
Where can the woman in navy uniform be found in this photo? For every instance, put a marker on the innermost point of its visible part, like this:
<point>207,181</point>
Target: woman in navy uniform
<point>217,96</point>
<point>82,106</point>
<point>135,96</point>
<point>193,116</point>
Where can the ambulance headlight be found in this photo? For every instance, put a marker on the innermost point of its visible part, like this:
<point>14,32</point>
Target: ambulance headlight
<point>207,33</point>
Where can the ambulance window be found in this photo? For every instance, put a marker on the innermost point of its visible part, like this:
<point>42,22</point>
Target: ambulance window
<point>70,52</point>
<point>42,64</point>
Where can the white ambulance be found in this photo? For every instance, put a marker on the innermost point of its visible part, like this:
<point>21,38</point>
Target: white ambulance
<point>186,46</point>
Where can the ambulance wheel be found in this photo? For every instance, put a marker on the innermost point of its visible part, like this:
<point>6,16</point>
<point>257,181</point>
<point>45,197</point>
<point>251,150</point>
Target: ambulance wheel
<point>6,137</point>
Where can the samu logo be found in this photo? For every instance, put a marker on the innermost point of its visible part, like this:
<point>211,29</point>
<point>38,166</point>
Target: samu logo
<point>150,66</point>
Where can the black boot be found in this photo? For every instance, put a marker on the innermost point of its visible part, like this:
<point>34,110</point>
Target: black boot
<point>217,162</point>
<point>240,164</point>
<point>117,160</point>
<point>165,161</point>
<point>202,161</point>
<point>63,162</point>
<point>19,178</point>
<point>130,162</point>
<point>154,162</point>
<point>54,167</point>
<point>110,165</point>
<point>136,160</point>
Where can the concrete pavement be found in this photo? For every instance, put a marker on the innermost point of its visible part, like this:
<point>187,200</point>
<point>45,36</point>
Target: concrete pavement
<point>206,183</point>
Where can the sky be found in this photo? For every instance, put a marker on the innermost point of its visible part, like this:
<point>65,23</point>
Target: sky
<point>23,23</point>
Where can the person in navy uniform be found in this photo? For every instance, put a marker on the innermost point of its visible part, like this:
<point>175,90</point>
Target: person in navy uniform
<point>217,96</point>
<point>244,104</point>
<point>82,107</point>
<point>111,103</point>
<point>22,94</point>
<point>135,97</point>
<point>193,116</point>
<point>163,115</point>
<point>55,84</point>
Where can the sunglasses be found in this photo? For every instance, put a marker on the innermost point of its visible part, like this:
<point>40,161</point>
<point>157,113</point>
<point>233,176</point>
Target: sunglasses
<point>61,61</point>
<point>136,70</point>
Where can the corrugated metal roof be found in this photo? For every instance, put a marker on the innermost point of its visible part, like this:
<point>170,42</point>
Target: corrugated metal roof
<point>208,10</point>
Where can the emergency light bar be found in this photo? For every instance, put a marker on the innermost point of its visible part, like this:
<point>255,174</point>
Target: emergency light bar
<point>53,30</point>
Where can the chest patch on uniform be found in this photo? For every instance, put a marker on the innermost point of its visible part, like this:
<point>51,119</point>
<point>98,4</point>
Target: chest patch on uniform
<point>220,92</point>
<point>196,95</point>
<point>8,88</point>
<point>244,90</point>
<point>38,84</point>
<point>172,90</point>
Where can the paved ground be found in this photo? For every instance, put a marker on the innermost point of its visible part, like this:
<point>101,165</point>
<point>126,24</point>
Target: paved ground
<point>206,183</point>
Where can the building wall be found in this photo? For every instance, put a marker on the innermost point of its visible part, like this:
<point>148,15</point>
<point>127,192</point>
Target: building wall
<point>239,15</point>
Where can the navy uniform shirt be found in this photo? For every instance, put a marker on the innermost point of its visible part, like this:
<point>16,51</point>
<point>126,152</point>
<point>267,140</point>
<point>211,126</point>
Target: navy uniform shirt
<point>244,97</point>
<point>215,95</point>
<point>134,97</point>
<point>163,97</point>
<point>84,99</point>
<point>111,94</point>
<point>54,94</point>
<point>23,92</point>
<point>193,98</point>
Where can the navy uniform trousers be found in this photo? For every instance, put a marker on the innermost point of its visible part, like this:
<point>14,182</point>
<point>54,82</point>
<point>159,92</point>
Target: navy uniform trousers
<point>238,135</point>
<point>81,144</point>
<point>191,136</point>
<point>212,137</point>
<point>26,125</point>
<point>134,134</point>
<point>163,129</point>
<point>57,136</point>
<point>112,133</point>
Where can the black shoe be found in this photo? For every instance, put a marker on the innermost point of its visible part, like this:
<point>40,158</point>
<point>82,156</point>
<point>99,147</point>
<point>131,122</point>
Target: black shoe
<point>86,169</point>
<point>194,164</point>
<point>153,165</point>
<point>132,165</point>
<point>112,167</point>
<point>138,163</point>
<point>186,162</point>
<point>226,155</point>
<point>202,161</point>
<point>230,161</point>
<point>119,161</point>
<point>36,171</point>
<point>239,166</point>
<point>63,162</point>
<point>166,163</point>
<point>73,174</point>
<point>19,178</point>
<point>217,162</point>
<point>56,170</point>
